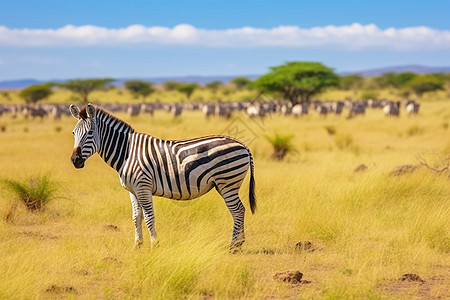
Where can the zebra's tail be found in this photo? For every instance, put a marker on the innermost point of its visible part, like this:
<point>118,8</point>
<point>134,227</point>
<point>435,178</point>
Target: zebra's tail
<point>251,193</point>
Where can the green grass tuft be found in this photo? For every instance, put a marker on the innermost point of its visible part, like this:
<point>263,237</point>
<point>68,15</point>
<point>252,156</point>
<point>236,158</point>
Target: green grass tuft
<point>34,193</point>
<point>282,145</point>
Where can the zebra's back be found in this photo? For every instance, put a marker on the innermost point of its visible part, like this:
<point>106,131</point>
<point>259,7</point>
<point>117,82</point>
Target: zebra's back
<point>187,169</point>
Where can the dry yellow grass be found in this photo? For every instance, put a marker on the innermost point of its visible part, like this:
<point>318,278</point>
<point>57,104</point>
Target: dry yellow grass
<point>368,228</point>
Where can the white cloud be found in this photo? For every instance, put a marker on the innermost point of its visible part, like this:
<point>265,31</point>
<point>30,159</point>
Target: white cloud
<point>354,36</point>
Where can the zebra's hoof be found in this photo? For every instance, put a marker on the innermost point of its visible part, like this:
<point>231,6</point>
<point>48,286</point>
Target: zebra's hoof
<point>236,248</point>
<point>137,245</point>
<point>154,244</point>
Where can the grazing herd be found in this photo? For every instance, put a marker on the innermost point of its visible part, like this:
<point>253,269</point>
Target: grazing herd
<point>259,109</point>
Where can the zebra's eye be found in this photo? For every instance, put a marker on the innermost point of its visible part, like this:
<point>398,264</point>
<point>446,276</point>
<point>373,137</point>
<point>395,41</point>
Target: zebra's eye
<point>90,131</point>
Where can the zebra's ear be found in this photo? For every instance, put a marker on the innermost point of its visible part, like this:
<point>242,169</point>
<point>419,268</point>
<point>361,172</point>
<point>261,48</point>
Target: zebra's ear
<point>74,111</point>
<point>90,110</point>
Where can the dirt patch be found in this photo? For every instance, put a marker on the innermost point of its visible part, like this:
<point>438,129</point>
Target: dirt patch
<point>58,289</point>
<point>42,236</point>
<point>109,259</point>
<point>111,227</point>
<point>404,169</point>
<point>294,277</point>
<point>412,286</point>
<point>411,277</point>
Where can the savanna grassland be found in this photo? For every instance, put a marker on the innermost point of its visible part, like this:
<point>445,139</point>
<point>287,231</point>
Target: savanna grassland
<point>367,228</point>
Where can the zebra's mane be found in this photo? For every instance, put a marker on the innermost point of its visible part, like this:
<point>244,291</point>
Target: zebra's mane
<point>102,111</point>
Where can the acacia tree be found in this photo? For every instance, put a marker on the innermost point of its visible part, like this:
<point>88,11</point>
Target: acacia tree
<point>214,85</point>
<point>35,93</point>
<point>297,81</point>
<point>171,85</point>
<point>83,87</point>
<point>425,83</point>
<point>187,89</point>
<point>140,88</point>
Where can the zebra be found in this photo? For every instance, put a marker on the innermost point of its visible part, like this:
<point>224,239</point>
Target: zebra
<point>174,169</point>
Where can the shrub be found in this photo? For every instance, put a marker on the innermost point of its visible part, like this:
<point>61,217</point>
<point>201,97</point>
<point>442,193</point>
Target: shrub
<point>35,193</point>
<point>369,94</point>
<point>414,130</point>
<point>331,130</point>
<point>282,145</point>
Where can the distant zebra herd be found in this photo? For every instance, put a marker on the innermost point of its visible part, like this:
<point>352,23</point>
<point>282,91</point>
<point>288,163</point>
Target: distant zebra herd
<point>253,109</point>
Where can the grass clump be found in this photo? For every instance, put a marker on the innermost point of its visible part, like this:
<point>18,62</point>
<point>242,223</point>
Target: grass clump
<point>414,130</point>
<point>34,193</point>
<point>282,145</point>
<point>331,130</point>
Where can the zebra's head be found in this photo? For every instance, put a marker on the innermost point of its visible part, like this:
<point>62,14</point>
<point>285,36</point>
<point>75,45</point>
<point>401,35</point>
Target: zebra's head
<point>85,134</point>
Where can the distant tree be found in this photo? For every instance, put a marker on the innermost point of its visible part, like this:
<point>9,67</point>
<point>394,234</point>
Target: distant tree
<point>139,88</point>
<point>35,93</point>
<point>369,94</point>
<point>425,83</point>
<point>187,89</point>
<point>351,82</point>
<point>395,80</point>
<point>214,85</point>
<point>83,87</point>
<point>171,85</point>
<point>241,82</point>
<point>297,81</point>
<point>6,95</point>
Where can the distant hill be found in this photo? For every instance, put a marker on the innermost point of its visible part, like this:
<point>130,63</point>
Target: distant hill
<point>22,83</point>
<point>399,69</point>
<point>17,84</point>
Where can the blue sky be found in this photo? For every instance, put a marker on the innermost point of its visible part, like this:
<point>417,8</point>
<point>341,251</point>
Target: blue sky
<point>62,39</point>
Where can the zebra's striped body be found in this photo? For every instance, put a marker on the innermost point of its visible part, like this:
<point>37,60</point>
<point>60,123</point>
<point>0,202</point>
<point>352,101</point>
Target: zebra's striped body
<point>179,170</point>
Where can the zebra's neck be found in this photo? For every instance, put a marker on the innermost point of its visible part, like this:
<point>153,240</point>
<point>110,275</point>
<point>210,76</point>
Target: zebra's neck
<point>114,136</point>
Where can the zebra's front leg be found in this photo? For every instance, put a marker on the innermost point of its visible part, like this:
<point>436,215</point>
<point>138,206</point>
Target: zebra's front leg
<point>146,202</point>
<point>137,220</point>
<point>237,211</point>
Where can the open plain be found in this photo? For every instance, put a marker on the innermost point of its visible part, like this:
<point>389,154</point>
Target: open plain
<point>360,231</point>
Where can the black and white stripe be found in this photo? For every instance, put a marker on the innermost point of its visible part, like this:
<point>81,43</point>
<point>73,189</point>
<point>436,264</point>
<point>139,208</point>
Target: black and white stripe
<point>175,169</point>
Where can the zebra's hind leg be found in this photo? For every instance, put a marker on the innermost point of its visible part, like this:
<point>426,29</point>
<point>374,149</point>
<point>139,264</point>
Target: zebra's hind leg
<point>237,211</point>
<point>137,220</point>
<point>146,202</point>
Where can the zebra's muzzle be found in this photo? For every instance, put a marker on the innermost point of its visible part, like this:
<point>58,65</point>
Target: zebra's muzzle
<point>76,158</point>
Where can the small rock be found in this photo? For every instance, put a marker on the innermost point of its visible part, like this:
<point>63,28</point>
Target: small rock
<point>304,246</point>
<point>360,168</point>
<point>289,276</point>
<point>411,277</point>
<point>112,227</point>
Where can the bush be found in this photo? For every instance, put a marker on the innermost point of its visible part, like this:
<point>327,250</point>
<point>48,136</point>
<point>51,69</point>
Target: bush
<point>331,130</point>
<point>369,94</point>
<point>282,145</point>
<point>35,193</point>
